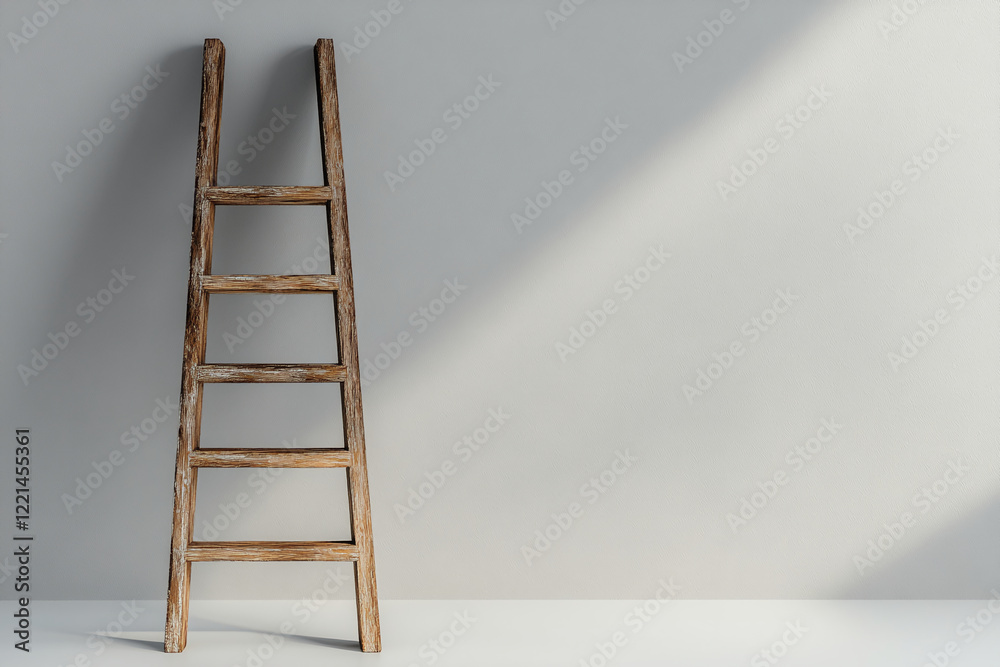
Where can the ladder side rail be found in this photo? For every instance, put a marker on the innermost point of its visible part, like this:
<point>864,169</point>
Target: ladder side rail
<point>203,219</point>
<point>347,347</point>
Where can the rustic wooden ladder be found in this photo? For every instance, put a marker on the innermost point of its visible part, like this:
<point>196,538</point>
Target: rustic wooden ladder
<point>190,456</point>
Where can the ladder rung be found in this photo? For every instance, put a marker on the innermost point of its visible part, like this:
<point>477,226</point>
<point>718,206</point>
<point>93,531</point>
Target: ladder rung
<point>271,551</point>
<point>269,194</point>
<point>271,458</point>
<point>270,373</point>
<point>278,284</point>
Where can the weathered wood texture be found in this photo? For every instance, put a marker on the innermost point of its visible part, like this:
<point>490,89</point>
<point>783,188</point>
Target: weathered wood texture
<point>273,284</point>
<point>271,458</point>
<point>203,219</point>
<point>270,373</point>
<point>347,345</point>
<point>271,551</point>
<point>241,195</point>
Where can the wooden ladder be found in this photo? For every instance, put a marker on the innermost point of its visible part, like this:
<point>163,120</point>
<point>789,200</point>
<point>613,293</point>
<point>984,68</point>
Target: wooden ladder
<point>190,456</point>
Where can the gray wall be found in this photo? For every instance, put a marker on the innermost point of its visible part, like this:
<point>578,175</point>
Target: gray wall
<point>778,317</point>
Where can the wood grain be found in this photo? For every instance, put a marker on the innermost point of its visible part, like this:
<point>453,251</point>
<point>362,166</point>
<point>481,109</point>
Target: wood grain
<point>270,373</point>
<point>271,551</point>
<point>270,284</point>
<point>190,456</point>
<point>347,345</point>
<point>242,195</point>
<point>271,458</point>
<point>202,224</point>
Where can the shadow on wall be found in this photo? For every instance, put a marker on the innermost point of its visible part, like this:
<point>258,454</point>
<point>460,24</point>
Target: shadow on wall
<point>453,215</point>
<point>158,148</point>
<point>116,225</point>
<point>968,547</point>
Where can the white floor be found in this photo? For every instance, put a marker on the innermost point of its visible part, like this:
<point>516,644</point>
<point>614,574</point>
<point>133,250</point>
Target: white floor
<point>464,633</point>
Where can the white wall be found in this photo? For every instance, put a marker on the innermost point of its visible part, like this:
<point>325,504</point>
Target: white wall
<point>495,347</point>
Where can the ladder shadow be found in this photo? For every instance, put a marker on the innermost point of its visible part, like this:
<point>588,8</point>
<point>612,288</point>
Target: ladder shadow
<point>148,644</point>
<point>327,642</point>
<point>198,624</point>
